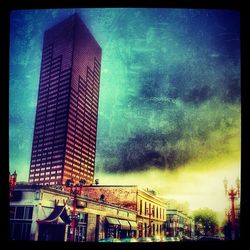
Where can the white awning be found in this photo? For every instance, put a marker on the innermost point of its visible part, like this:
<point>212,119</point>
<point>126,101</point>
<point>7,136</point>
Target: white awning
<point>112,221</point>
<point>124,225</point>
<point>133,225</point>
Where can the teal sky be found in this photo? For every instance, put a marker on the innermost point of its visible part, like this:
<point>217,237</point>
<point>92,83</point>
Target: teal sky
<point>170,86</point>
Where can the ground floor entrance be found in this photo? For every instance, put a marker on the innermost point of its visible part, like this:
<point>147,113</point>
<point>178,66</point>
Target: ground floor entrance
<point>51,232</point>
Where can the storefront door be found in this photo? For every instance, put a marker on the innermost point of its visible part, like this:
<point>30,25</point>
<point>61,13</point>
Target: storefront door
<point>51,232</point>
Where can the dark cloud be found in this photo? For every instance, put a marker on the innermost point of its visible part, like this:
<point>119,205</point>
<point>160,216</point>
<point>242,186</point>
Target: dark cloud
<point>178,134</point>
<point>198,94</point>
<point>233,91</point>
<point>153,85</point>
<point>147,150</point>
<point>169,91</point>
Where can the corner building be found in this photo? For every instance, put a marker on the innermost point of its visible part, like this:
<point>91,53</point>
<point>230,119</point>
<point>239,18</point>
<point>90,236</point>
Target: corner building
<point>64,141</point>
<point>150,209</point>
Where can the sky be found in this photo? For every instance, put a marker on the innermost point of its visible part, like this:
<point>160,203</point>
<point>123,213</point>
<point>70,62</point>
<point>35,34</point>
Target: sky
<point>169,106</point>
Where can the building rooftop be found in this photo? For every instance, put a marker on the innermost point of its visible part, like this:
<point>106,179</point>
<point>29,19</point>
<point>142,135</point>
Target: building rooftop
<point>58,190</point>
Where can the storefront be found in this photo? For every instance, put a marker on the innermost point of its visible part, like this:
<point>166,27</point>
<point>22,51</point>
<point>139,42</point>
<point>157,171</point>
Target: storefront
<point>45,214</point>
<point>80,228</point>
<point>118,228</point>
<point>140,229</point>
<point>112,228</point>
<point>53,228</point>
<point>124,229</point>
<point>20,222</point>
<point>133,228</point>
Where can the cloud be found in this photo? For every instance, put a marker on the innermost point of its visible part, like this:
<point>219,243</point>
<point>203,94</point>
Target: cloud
<point>198,183</point>
<point>169,106</point>
<point>164,101</point>
<point>178,134</point>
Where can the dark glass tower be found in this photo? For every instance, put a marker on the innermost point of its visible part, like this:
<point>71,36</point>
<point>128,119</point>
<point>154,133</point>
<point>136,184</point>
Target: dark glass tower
<point>64,142</point>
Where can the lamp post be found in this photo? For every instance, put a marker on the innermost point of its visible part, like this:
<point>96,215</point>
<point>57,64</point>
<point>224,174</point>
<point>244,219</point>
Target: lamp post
<point>228,215</point>
<point>232,194</point>
<point>74,191</point>
<point>12,183</point>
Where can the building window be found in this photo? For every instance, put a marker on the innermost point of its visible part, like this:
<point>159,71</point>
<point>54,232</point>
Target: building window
<point>20,231</point>
<point>145,208</point>
<point>149,209</point>
<point>21,212</point>
<point>140,206</point>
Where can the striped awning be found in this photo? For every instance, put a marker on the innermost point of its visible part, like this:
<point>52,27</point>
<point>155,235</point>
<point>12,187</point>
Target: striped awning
<point>58,216</point>
<point>124,225</point>
<point>133,225</point>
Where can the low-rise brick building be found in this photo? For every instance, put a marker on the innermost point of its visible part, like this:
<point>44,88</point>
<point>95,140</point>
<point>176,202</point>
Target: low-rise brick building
<point>45,213</point>
<point>179,223</point>
<point>151,210</point>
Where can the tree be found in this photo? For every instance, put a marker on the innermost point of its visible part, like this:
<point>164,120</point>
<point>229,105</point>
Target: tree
<point>206,221</point>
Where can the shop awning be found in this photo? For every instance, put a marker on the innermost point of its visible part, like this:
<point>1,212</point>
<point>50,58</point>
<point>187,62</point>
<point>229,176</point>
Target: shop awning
<point>58,216</point>
<point>133,225</point>
<point>112,221</point>
<point>124,225</point>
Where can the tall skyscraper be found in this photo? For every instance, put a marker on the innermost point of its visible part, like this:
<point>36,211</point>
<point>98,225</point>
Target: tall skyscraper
<point>64,141</point>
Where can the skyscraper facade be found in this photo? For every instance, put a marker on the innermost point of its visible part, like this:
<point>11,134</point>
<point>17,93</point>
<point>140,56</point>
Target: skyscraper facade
<point>64,140</point>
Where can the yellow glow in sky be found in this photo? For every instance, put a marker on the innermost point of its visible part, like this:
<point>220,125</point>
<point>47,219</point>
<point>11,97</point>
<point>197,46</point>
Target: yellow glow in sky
<point>199,185</point>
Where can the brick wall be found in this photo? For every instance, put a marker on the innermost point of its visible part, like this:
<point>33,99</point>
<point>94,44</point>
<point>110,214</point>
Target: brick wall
<point>121,196</point>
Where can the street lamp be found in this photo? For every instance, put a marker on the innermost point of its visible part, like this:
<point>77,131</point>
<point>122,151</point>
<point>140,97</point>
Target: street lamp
<point>12,183</point>
<point>232,194</point>
<point>74,191</point>
<point>228,215</point>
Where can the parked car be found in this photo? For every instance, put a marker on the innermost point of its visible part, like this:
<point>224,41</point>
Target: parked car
<point>129,240</point>
<point>156,238</point>
<point>106,240</point>
<point>167,239</point>
<point>208,238</point>
<point>185,238</point>
<point>144,239</point>
<point>176,238</point>
<point>195,237</point>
